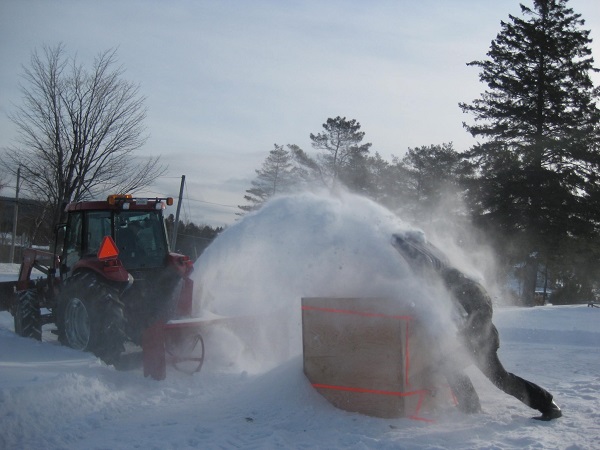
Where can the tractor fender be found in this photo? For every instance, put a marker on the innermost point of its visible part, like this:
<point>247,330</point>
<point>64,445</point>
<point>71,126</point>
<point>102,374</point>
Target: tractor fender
<point>109,270</point>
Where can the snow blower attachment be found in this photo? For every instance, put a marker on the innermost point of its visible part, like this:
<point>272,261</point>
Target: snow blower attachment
<point>177,342</point>
<point>112,280</point>
<point>365,355</point>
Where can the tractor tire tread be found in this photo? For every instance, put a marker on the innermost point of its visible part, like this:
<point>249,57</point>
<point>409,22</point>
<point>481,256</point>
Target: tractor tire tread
<point>27,315</point>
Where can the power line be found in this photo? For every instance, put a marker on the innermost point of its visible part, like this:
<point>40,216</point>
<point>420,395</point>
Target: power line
<point>195,237</point>
<point>212,203</point>
<point>159,194</point>
<point>162,194</point>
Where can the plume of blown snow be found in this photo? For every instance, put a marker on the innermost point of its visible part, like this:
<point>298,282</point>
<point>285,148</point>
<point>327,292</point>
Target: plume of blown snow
<point>252,278</point>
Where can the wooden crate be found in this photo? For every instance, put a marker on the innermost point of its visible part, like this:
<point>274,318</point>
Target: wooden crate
<point>365,355</point>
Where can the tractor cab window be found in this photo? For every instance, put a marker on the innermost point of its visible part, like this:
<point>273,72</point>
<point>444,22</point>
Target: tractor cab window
<point>141,239</point>
<point>73,240</point>
<point>98,225</point>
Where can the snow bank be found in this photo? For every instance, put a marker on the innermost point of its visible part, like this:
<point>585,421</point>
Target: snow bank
<point>9,272</point>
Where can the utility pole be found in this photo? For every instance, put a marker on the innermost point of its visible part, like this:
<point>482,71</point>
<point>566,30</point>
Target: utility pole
<point>176,224</point>
<point>15,218</point>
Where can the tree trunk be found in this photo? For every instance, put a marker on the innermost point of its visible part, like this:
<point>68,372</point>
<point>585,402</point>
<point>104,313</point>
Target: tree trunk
<point>529,281</point>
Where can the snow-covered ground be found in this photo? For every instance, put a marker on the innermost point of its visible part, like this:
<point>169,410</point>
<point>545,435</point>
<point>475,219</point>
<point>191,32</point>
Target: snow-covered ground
<point>53,397</point>
<point>252,393</point>
<point>8,272</point>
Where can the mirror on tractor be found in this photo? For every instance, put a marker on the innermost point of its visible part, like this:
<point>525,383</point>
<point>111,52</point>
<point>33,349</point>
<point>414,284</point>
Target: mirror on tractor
<point>59,238</point>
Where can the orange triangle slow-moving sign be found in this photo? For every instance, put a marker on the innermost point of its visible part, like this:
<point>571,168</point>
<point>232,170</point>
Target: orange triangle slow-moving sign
<point>108,249</point>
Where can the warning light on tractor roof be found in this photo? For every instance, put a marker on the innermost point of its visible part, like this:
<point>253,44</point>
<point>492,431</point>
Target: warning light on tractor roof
<point>112,199</point>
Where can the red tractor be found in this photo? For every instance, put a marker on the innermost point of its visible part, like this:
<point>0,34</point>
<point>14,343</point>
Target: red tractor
<point>110,279</point>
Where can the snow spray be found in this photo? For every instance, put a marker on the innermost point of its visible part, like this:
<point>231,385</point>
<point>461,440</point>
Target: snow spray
<point>306,245</point>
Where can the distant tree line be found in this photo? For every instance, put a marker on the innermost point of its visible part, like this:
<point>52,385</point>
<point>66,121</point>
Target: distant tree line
<point>192,239</point>
<point>530,187</point>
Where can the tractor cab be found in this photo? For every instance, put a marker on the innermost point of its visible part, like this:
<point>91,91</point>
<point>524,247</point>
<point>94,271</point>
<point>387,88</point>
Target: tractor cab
<point>135,225</point>
<point>145,276</point>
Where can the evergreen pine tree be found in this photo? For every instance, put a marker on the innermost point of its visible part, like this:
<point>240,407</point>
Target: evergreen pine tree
<point>343,153</point>
<point>433,173</point>
<point>537,167</point>
<point>277,175</point>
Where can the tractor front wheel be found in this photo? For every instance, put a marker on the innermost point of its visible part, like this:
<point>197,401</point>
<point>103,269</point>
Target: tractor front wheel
<point>27,315</point>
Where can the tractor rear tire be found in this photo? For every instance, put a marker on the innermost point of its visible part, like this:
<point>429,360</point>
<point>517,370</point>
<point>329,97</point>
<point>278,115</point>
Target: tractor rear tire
<point>27,315</point>
<point>91,319</point>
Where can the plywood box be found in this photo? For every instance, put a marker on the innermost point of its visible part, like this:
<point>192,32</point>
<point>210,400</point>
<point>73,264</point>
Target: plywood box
<point>365,355</point>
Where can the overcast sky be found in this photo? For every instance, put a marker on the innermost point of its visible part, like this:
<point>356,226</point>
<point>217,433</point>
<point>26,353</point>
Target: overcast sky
<point>225,80</point>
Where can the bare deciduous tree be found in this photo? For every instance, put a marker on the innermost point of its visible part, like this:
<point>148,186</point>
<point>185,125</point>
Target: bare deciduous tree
<point>78,130</point>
